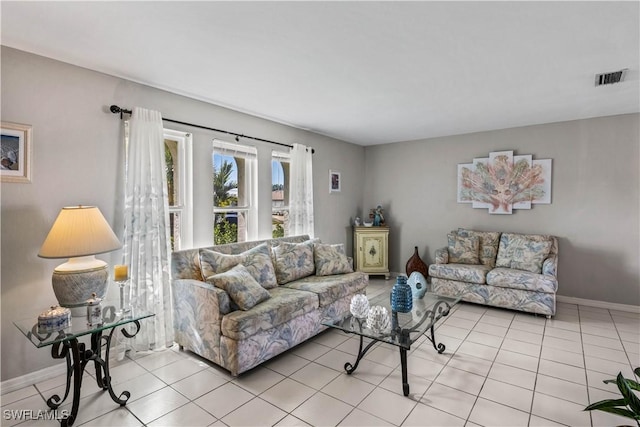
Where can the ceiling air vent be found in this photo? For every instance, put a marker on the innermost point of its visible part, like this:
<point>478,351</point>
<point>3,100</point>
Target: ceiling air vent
<point>610,78</point>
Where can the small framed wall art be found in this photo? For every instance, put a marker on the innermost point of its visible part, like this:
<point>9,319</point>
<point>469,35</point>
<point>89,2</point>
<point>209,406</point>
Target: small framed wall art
<point>15,153</point>
<point>335,182</point>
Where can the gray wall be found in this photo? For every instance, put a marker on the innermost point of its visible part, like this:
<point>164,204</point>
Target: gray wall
<point>77,159</point>
<point>594,210</point>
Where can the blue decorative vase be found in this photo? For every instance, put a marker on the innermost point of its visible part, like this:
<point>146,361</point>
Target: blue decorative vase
<point>401,296</point>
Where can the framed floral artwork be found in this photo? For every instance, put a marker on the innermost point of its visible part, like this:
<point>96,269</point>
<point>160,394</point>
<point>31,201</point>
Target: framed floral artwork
<point>15,153</point>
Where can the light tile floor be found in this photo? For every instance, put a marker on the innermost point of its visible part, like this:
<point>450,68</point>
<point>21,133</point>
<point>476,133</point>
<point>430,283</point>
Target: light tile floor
<point>500,368</point>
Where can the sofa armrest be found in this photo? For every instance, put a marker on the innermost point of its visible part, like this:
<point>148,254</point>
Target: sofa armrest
<point>550,266</point>
<point>350,260</point>
<point>442,256</point>
<point>198,308</point>
<point>185,290</point>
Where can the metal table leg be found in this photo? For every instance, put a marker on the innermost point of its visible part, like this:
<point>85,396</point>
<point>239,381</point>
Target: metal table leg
<point>440,310</point>
<point>78,357</point>
<point>361,353</point>
<point>75,368</point>
<point>405,379</point>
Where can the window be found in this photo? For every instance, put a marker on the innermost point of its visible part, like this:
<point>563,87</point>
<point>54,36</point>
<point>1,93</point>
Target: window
<point>177,152</point>
<point>234,193</point>
<point>280,194</point>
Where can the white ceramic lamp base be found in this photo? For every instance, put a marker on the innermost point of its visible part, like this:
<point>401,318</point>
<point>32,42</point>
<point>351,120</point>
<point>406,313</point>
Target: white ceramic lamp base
<point>75,281</point>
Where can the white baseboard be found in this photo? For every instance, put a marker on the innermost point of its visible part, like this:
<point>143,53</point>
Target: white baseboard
<point>31,378</point>
<point>600,304</point>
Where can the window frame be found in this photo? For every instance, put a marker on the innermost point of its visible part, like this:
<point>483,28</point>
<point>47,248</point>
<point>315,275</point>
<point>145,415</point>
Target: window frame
<point>282,157</point>
<point>184,204</point>
<point>250,183</point>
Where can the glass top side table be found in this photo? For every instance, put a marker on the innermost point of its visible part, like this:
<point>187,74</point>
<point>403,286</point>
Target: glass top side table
<point>65,345</point>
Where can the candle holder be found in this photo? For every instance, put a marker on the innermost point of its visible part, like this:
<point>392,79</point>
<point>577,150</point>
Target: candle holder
<point>121,277</point>
<point>125,306</point>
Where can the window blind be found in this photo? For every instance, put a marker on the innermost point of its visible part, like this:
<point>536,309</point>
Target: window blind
<point>234,150</point>
<point>281,156</point>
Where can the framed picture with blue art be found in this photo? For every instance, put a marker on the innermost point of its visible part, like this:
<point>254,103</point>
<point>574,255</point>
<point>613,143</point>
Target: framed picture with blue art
<point>15,153</point>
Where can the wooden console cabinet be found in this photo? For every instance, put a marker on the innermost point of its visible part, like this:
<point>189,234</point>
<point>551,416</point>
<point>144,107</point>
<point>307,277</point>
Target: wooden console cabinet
<point>371,250</point>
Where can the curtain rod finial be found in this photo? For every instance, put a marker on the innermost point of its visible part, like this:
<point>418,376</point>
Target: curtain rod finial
<point>115,110</point>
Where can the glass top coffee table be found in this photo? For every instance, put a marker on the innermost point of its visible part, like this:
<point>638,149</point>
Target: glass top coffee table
<point>405,328</point>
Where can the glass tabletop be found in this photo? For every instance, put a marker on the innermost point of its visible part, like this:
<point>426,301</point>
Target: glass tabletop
<point>79,325</point>
<point>425,313</point>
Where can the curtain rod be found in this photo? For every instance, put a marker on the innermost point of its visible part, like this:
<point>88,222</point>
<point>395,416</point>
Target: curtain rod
<point>117,110</point>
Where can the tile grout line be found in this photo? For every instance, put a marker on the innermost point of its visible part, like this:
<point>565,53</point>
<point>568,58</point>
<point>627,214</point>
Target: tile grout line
<point>584,361</point>
<point>486,377</point>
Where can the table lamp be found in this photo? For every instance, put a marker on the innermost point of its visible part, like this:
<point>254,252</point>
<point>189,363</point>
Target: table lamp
<point>79,233</point>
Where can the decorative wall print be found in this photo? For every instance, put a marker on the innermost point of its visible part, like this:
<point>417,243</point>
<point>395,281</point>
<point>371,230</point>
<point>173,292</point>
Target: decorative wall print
<point>15,153</point>
<point>335,184</point>
<point>476,203</point>
<point>526,204</point>
<point>545,197</point>
<point>504,182</point>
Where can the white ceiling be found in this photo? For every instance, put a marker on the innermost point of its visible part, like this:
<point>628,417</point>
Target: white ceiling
<point>364,72</point>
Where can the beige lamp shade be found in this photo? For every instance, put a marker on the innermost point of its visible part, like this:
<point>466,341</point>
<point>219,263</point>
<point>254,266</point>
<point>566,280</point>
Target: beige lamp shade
<point>79,231</point>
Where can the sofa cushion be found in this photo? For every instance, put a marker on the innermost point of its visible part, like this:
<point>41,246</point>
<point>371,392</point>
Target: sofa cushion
<point>241,287</point>
<point>293,261</point>
<point>488,244</point>
<point>463,272</point>
<point>523,252</point>
<point>284,305</point>
<point>517,279</point>
<point>257,260</point>
<point>330,259</point>
<point>330,288</point>
<point>463,249</point>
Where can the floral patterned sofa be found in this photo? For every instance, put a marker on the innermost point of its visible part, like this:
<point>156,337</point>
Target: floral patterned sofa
<point>241,304</point>
<point>516,271</point>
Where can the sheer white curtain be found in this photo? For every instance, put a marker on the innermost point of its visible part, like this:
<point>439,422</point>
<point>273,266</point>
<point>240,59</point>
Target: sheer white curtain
<point>146,228</point>
<point>301,191</point>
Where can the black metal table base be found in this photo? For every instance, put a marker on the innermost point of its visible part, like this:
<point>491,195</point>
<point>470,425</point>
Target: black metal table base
<point>77,357</point>
<point>350,368</point>
<point>440,310</point>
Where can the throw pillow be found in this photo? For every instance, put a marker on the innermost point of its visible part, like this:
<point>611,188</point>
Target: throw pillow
<point>463,250</point>
<point>241,287</point>
<point>488,244</point>
<point>293,261</point>
<point>331,259</point>
<point>257,260</point>
<point>523,252</point>
<point>530,254</point>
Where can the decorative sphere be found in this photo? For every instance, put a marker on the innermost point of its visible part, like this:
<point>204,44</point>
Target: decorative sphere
<point>359,306</point>
<point>378,319</point>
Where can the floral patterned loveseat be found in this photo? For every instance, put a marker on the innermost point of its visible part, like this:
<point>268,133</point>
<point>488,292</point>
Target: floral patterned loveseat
<point>241,304</point>
<point>516,271</point>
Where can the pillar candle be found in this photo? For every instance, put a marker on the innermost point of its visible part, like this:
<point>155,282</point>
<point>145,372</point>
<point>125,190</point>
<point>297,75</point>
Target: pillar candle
<point>120,273</point>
